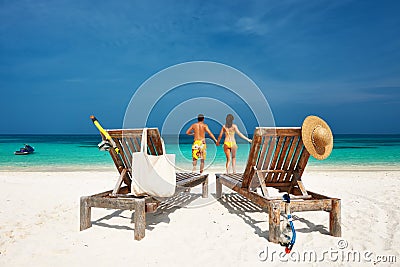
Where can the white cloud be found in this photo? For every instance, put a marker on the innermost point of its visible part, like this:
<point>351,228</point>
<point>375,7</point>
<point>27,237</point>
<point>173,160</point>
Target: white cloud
<point>251,25</point>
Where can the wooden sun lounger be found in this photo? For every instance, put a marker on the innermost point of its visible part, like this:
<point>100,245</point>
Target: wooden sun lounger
<point>277,159</point>
<point>128,141</point>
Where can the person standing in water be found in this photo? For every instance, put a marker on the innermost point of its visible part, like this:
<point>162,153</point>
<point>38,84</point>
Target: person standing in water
<point>230,146</point>
<point>199,147</point>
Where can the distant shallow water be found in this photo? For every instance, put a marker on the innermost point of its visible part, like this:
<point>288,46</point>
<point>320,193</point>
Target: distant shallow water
<point>80,152</point>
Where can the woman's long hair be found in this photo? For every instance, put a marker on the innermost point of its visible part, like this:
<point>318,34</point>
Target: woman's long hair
<point>229,120</point>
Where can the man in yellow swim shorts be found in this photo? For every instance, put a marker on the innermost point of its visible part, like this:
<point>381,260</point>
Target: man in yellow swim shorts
<point>199,146</point>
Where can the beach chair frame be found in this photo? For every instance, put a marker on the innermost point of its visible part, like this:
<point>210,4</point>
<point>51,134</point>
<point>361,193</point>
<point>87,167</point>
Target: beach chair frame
<point>128,142</point>
<point>277,159</point>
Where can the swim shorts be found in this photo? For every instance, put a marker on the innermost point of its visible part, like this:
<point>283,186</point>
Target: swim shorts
<point>199,149</point>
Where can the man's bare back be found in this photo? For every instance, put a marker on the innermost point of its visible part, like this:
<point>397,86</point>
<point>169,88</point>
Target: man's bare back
<point>198,130</point>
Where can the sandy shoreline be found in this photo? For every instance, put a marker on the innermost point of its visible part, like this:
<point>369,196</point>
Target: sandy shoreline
<point>39,223</point>
<point>187,167</point>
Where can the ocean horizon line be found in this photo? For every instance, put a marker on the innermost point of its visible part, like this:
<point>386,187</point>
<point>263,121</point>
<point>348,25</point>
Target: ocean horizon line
<point>173,134</point>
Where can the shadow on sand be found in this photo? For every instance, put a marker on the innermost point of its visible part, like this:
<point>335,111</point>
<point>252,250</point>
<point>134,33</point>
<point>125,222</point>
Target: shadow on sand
<point>243,208</point>
<point>165,208</point>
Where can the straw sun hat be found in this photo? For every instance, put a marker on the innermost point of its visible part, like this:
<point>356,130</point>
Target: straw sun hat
<point>317,137</point>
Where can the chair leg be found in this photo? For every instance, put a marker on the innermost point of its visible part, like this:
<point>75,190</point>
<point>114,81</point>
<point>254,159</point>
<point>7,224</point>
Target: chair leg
<point>274,211</point>
<point>140,218</point>
<point>85,214</point>
<point>218,188</point>
<point>205,188</point>
<point>335,227</point>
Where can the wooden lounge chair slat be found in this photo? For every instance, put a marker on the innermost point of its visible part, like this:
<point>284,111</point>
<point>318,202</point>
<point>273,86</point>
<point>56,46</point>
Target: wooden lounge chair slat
<point>130,144</point>
<point>271,171</point>
<point>289,158</point>
<point>154,147</point>
<point>279,163</point>
<point>119,133</point>
<point>299,172</point>
<point>251,161</point>
<point>124,159</point>
<point>157,145</point>
<point>292,198</point>
<point>282,157</point>
<point>263,149</point>
<point>237,176</point>
<point>276,131</point>
<point>151,145</point>
<point>271,147</point>
<point>275,157</point>
<point>136,141</point>
<point>303,161</point>
<point>294,160</point>
<point>278,184</point>
<point>128,153</point>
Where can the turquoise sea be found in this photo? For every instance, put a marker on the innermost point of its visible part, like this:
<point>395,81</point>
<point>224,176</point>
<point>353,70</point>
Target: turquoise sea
<point>80,152</point>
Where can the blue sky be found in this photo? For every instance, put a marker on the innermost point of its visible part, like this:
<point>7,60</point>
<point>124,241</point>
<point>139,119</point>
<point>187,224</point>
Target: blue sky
<point>61,61</point>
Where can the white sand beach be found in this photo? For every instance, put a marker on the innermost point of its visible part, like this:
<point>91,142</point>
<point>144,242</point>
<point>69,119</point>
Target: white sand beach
<point>39,224</point>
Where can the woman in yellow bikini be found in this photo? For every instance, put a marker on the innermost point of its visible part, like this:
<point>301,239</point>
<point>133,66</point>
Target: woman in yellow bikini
<point>230,146</point>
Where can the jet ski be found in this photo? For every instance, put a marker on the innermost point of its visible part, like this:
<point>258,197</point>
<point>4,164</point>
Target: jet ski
<point>27,149</point>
